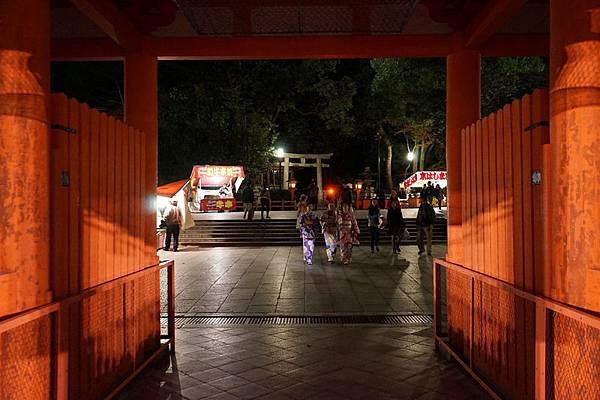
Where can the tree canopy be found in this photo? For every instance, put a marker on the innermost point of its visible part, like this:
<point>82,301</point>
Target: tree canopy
<point>236,112</point>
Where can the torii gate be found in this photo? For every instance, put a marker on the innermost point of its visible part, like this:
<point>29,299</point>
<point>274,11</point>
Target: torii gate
<point>317,163</point>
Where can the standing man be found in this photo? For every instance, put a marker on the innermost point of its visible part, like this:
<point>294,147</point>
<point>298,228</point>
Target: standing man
<point>265,202</point>
<point>248,200</point>
<point>425,220</point>
<point>173,220</point>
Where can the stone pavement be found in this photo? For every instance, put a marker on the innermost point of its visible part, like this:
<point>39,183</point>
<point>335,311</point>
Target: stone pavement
<point>283,362</point>
<point>302,362</point>
<point>268,280</point>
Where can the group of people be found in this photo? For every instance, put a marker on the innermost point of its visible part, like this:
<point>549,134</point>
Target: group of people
<point>248,199</point>
<point>340,229</point>
<point>430,192</point>
<point>337,224</point>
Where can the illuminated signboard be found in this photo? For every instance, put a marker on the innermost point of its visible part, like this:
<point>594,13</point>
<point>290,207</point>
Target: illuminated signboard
<point>422,177</point>
<point>217,204</point>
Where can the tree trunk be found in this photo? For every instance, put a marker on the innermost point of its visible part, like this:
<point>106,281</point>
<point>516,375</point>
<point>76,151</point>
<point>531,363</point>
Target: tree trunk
<point>423,150</point>
<point>388,165</point>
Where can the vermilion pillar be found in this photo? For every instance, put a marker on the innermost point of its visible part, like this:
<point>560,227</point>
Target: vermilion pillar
<point>141,112</point>
<point>575,142</point>
<point>463,107</point>
<point>24,154</point>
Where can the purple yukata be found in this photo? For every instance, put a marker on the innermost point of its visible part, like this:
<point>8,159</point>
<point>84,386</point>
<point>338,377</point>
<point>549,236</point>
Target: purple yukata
<point>308,230</point>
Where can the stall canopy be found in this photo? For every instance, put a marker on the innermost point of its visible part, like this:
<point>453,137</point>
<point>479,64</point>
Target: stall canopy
<point>177,190</point>
<point>420,179</point>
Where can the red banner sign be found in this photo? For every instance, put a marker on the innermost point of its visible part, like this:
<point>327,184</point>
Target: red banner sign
<point>225,204</point>
<point>420,176</point>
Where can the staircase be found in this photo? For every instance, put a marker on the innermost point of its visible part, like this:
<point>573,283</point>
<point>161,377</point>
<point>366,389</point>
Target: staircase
<point>281,232</point>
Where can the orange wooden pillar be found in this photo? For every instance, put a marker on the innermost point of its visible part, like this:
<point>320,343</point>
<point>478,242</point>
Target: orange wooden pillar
<point>463,107</point>
<point>575,148</point>
<point>141,111</point>
<point>24,154</point>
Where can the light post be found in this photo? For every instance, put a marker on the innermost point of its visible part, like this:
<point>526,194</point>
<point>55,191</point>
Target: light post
<point>358,187</point>
<point>378,162</point>
<point>279,153</point>
<point>292,188</point>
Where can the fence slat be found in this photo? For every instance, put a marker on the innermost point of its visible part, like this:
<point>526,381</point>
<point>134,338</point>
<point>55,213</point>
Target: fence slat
<point>473,162</point>
<point>508,193</point>
<point>464,202</point>
<point>527,195</point>
<point>110,195</point>
<point>493,196</point>
<point>517,190</point>
<point>479,199</point>
<point>59,196</point>
<point>94,223</point>
<point>501,191</point>
<point>539,100</point>
<point>84,175</point>
<point>74,197</point>
<point>132,204</point>
<point>485,174</point>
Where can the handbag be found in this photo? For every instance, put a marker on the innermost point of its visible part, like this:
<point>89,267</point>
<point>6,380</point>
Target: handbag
<point>405,234</point>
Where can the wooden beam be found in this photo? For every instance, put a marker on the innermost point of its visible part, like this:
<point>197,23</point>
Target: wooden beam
<point>299,47</point>
<point>296,47</point>
<point>111,21</point>
<point>493,16</point>
<point>88,49</point>
<point>516,46</point>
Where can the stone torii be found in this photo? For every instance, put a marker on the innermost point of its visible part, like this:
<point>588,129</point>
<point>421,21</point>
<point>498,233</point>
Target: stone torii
<point>300,160</point>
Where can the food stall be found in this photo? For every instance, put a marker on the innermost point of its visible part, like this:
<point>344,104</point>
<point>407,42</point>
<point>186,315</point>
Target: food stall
<point>178,190</point>
<point>415,183</point>
<point>213,187</point>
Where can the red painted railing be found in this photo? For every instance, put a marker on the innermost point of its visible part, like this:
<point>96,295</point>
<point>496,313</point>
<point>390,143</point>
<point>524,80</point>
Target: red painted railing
<point>515,344</point>
<point>58,362</point>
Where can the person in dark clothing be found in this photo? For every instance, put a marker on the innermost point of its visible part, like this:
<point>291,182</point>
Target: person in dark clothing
<point>173,220</point>
<point>425,220</point>
<point>381,199</point>
<point>438,195</point>
<point>313,195</point>
<point>373,223</point>
<point>396,225</point>
<point>346,196</point>
<point>265,202</point>
<point>248,199</point>
<point>429,192</point>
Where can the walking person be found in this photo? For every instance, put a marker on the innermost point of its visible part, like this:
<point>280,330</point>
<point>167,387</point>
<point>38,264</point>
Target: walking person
<point>308,230</point>
<point>265,202</point>
<point>346,196</point>
<point>248,200</point>
<point>301,209</point>
<point>348,231</point>
<point>396,225</point>
<point>330,231</point>
<point>173,219</point>
<point>425,220</point>
<point>373,223</point>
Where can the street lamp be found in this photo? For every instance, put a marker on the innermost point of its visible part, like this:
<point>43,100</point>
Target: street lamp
<point>292,188</point>
<point>410,156</point>
<point>358,187</point>
<point>279,153</point>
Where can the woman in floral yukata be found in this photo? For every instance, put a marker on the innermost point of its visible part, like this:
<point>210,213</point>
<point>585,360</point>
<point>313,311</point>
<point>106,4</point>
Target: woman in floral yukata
<point>330,230</point>
<point>348,231</point>
<point>308,230</point>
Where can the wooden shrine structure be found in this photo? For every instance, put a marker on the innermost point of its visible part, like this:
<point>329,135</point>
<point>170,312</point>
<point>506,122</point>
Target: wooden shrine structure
<point>79,280</point>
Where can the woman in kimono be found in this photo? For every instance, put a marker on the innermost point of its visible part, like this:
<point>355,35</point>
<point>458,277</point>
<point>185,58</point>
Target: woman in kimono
<point>301,209</point>
<point>308,230</point>
<point>348,231</point>
<point>330,230</point>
